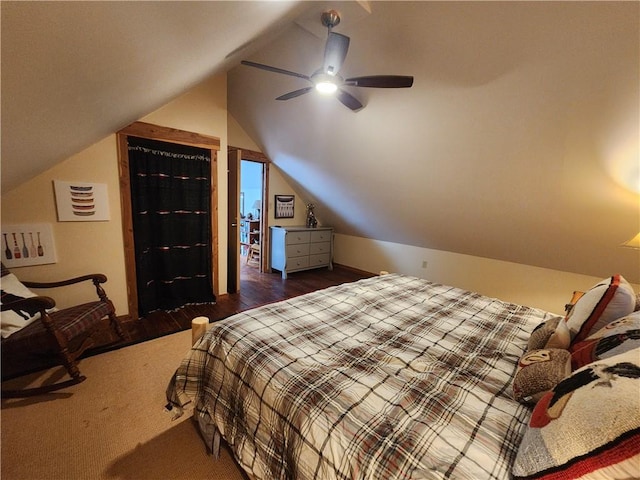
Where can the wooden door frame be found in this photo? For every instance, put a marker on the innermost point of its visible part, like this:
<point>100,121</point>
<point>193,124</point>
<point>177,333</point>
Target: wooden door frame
<point>254,156</point>
<point>171,135</point>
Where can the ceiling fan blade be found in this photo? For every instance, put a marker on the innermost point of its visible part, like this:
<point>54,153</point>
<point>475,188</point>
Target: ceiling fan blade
<point>349,100</point>
<point>273,69</point>
<point>335,52</point>
<point>295,93</point>
<point>380,81</point>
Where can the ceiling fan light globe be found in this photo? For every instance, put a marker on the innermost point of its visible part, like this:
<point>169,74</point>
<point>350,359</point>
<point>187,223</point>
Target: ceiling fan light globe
<point>326,88</point>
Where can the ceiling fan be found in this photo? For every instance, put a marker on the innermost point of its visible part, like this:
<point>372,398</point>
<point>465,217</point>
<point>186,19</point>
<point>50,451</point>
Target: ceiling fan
<point>327,79</point>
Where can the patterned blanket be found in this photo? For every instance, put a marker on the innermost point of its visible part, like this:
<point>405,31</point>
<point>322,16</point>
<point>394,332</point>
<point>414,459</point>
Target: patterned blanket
<point>390,377</point>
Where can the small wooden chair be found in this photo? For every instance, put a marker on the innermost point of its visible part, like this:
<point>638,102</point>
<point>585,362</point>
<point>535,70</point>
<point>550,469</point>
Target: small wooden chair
<point>254,252</point>
<point>68,332</point>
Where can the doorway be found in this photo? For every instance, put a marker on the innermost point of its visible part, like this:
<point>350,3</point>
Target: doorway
<point>248,214</point>
<point>251,191</point>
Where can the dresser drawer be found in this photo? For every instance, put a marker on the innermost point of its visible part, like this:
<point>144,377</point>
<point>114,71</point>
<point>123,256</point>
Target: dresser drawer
<point>321,236</point>
<point>319,260</point>
<point>324,247</point>
<point>294,238</point>
<point>297,262</point>
<point>297,250</point>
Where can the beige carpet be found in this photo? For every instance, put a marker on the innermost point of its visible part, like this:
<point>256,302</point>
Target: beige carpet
<point>111,426</point>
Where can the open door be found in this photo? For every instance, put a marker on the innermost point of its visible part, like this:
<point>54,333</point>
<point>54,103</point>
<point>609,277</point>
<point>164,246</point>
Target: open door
<point>234,270</point>
<point>233,220</point>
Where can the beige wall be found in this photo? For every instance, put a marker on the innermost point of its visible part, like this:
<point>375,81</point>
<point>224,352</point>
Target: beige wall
<point>238,137</point>
<point>98,246</point>
<point>84,247</point>
<point>278,184</point>
<point>81,247</point>
<point>538,287</point>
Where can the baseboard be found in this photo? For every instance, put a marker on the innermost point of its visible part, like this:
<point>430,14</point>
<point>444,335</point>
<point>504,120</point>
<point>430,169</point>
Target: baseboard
<point>353,269</point>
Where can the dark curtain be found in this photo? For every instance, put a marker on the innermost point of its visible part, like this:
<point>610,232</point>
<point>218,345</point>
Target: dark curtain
<point>171,203</point>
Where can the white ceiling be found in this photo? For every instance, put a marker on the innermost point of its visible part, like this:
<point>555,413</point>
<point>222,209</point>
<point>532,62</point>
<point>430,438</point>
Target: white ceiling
<point>518,140</point>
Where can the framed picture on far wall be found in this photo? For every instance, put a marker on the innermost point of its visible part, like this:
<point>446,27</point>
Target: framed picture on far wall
<point>284,206</point>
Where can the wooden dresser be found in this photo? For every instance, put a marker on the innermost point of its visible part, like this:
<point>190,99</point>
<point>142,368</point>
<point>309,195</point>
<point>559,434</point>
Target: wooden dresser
<point>300,248</point>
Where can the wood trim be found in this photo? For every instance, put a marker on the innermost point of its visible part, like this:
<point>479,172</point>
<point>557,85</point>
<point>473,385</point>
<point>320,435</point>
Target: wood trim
<point>127,225</point>
<point>215,260</point>
<point>264,217</point>
<point>172,135</point>
<point>254,156</point>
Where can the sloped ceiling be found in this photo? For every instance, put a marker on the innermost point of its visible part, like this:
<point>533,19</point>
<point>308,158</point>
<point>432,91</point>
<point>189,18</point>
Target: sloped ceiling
<point>518,140</point>
<point>75,72</point>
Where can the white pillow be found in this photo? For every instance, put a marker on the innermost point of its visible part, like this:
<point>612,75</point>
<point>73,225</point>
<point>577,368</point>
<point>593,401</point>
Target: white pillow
<point>12,320</point>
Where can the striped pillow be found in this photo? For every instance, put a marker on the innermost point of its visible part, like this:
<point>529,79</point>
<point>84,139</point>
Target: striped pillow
<point>617,337</point>
<point>603,303</point>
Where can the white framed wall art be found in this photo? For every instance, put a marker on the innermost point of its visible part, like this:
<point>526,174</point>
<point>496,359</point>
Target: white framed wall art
<point>28,244</point>
<point>81,201</point>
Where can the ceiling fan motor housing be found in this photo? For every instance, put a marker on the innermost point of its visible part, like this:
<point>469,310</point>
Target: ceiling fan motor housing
<point>330,19</point>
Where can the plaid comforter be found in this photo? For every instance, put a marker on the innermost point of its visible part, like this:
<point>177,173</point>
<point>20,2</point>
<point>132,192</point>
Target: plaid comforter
<point>390,377</point>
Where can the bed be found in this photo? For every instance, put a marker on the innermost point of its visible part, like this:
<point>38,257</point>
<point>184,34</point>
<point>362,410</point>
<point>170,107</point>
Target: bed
<point>390,377</point>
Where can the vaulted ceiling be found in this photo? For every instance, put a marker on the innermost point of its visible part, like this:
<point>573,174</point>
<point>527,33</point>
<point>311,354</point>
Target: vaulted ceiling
<point>518,140</point>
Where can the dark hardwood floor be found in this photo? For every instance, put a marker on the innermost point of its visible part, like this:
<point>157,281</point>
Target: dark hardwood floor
<point>255,289</point>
